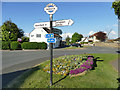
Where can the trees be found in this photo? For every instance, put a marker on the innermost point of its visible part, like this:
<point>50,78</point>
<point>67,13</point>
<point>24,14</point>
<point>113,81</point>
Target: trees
<point>116,6</point>
<point>101,36</point>
<point>76,37</point>
<point>67,40</point>
<point>10,31</point>
<point>25,39</point>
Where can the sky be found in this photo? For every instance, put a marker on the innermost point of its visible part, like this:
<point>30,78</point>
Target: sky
<point>88,17</point>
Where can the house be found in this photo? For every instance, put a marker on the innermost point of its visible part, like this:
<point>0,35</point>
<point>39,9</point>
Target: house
<point>84,39</point>
<point>93,38</point>
<point>38,35</point>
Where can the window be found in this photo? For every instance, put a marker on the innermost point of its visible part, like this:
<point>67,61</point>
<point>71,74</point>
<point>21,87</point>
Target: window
<point>32,35</point>
<point>38,35</point>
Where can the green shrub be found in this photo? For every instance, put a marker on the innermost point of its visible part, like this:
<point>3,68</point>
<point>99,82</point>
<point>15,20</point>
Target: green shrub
<point>91,42</point>
<point>0,44</point>
<point>39,45</point>
<point>43,45</point>
<point>25,39</point>
<point>29,45</point>
<point>5,45</point>
<point>84,43</point>
<point>33,45</point>
<point>14,45</point>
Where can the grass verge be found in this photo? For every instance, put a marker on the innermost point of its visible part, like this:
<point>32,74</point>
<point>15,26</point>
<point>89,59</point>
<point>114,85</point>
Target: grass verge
<point>104,76</point>
<point>73,47</point>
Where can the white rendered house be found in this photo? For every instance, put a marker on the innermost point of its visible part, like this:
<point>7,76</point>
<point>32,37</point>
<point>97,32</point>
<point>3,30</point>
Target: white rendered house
<point>93,38</point>
<point>38,35</point>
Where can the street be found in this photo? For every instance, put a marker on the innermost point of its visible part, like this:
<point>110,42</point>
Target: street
<point>16,62</point>
<point>19,60</point>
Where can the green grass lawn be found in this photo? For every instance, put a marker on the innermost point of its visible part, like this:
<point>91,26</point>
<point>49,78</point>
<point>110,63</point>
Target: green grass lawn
<point>104,76</point>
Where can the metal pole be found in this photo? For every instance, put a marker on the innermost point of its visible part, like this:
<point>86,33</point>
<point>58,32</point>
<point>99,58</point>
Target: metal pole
<point>51,53</point>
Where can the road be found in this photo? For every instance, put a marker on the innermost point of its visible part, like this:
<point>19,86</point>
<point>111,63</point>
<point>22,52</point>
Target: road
<point>16,62</point>
<point>19,60</point>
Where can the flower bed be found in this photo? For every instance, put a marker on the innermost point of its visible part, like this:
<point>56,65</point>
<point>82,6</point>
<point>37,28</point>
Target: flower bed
<point>70,65</point>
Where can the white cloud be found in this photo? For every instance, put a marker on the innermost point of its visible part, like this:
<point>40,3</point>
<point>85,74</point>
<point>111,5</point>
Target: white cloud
<point>115,25</point>
<point>113,32</point>
<point>64,35</point>
<point>91,32</point>
<point>26,34</point>
<point>113,35</point>
<point>105,31</point>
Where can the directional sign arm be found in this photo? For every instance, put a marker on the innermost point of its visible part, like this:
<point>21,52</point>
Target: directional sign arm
<point>57,23</point>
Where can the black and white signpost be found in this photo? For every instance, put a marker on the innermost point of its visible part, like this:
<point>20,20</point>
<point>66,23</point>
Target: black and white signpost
<point>51,9</point>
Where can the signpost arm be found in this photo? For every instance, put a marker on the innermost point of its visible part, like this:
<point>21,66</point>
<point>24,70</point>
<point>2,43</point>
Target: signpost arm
<point>51,53</point>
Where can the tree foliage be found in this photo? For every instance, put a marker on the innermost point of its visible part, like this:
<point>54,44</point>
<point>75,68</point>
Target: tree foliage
<point>76,37</point>
<point>10,31</point>
<point>116,6</point>
<point>67,40</point>
<point>25,39</point>
<point>101,36</point>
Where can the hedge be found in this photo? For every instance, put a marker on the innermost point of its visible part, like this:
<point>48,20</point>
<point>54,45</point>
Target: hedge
<point>5,45</point>
<point>43,45</point>
<point>84,43</point>
<point>33,45</point>
<point>14,45</point>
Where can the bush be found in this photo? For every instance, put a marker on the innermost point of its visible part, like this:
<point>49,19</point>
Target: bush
<point>34,45</point>
<point>5,45</point>
<point>43,45</point>
<point>25,39</point>
<point>84,43</point>
<point>14,45</point>
<point>29,45</point>
<point>39,45</point>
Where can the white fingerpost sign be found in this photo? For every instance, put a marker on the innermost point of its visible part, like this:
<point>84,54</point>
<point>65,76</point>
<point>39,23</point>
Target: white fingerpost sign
<point>58,23</point>
<point>50,8</point>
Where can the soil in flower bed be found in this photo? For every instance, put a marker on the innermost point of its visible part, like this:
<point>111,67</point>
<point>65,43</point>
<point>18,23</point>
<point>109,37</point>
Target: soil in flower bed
<point>79,74</point>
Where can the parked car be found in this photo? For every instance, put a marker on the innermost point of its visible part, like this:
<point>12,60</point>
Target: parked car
<point>76,45</point>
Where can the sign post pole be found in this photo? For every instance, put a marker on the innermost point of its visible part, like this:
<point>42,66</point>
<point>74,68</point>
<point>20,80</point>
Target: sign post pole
<point>51,11</point>
<point>51,52</point>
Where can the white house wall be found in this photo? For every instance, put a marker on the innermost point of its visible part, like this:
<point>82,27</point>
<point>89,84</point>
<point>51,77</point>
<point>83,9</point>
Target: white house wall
<point>95,40</point>
<point>39,39</point>
<point>42,38</point>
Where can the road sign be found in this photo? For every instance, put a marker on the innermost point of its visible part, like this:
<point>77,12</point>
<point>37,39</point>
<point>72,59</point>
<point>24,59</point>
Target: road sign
<point>57,23</point>
<point>51,40</point>
<point>57,31</point>
<point>41,24</point>
<point>50,8</point>
<point>49,35</point>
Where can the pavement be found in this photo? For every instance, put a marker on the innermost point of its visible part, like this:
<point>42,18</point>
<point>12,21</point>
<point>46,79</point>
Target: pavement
<point>16,62</point>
